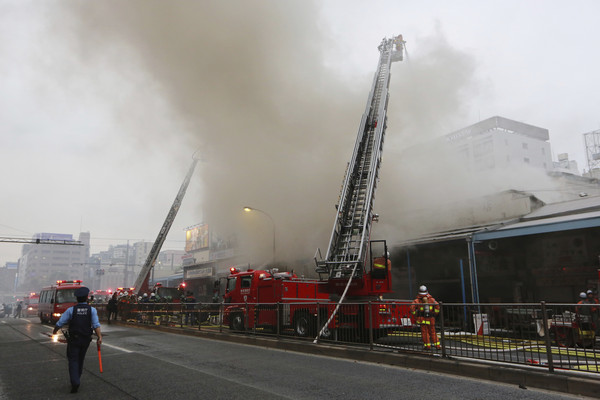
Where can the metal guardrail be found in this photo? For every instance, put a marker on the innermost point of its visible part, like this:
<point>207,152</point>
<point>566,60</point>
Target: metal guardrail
<point>549,336</point>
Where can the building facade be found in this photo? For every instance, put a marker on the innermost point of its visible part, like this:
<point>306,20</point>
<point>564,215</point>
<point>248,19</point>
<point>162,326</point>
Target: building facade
<point>498,142</point>
<point>43,264</point>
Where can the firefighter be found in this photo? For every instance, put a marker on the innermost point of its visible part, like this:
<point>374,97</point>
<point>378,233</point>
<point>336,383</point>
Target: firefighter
<point>594,309</point>
<point>425,308</point>
<point>381,266</point>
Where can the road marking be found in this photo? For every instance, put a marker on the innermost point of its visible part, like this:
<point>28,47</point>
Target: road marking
<point>117,348</point>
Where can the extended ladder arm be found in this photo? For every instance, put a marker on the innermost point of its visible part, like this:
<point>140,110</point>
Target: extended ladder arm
<point>352,227</point>
<point>141,283</point>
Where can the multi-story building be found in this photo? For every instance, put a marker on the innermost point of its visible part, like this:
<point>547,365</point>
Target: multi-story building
<point>499,142</point>
<point>43,264</point>
<point>140,251</point>
<point>8,274</point>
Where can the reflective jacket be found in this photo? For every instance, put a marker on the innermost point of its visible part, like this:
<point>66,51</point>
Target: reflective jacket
<point>425,308</point>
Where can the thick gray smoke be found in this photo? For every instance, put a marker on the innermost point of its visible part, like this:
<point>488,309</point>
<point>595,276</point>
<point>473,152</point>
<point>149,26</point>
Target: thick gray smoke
<point>274,126</point>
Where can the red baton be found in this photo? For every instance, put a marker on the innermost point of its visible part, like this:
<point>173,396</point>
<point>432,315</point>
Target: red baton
<point>99,357</point>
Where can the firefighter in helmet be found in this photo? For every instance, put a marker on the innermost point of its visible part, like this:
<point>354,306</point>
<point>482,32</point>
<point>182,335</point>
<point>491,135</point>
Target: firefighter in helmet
<point>425,308</point>
<point>381,266</point>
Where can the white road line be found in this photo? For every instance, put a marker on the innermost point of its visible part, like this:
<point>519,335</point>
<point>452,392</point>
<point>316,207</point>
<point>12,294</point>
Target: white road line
<point>117,348</point>
<point>103,344</point>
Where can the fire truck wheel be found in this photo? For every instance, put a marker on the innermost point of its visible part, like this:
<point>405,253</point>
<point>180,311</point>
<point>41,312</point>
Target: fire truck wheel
<point>327,334</point>
<point>303,325</point>
<point>237,322</point>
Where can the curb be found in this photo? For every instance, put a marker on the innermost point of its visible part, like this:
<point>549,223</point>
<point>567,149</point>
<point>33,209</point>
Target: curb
<point>559,381</point>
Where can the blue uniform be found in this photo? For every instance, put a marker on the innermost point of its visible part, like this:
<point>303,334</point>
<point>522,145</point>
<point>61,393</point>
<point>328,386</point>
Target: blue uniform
<point>82,319</point>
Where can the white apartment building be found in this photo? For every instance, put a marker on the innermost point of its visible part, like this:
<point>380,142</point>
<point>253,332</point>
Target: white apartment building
<point>498,142</point>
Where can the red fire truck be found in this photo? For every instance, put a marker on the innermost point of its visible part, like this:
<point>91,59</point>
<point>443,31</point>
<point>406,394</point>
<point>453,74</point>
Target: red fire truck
<point>31,304</point>
<point>55,299</point>
<point>100,296</point>
<point>264,299</point>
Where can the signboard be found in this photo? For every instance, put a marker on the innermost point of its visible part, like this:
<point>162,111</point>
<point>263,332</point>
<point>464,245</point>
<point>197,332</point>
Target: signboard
<point>196,238</point>
<point>203,272</point>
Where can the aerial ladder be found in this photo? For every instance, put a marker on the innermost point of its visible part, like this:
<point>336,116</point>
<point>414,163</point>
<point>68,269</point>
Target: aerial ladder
<point>141,282</point>
<point>346,264</point>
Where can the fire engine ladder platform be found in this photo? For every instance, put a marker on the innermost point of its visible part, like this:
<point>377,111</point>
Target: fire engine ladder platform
<point>351,231</point>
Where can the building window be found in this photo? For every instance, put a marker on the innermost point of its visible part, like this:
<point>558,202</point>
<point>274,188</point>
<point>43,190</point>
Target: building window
<point>525,146</point>
<point>543,151</point>
<point>526,160</point>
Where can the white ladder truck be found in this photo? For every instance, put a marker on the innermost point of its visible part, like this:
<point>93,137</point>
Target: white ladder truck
<point>347,266</point>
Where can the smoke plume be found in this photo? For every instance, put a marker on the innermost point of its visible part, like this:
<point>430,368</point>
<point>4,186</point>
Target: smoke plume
<point>247,85</point>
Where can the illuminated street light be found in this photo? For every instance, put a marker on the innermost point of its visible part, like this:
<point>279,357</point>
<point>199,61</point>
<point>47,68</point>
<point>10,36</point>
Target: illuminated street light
<point>250,209</point>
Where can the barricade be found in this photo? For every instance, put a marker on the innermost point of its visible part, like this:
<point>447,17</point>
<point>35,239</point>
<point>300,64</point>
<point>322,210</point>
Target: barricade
<point>548,336</point>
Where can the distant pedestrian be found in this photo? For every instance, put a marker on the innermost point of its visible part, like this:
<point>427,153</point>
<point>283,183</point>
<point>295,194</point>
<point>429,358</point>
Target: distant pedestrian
<point>83,321</point>
<point>18,310</point>
<point>112,307</point>
<point>189,307</point>
<point>425,308</point>
<point>8,309</point>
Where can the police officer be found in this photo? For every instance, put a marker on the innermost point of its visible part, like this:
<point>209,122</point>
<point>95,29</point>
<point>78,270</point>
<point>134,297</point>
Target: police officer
<point>82,320</point>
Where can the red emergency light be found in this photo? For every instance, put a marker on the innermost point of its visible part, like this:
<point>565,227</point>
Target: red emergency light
<point>182,285</point>
<point>234,270</point>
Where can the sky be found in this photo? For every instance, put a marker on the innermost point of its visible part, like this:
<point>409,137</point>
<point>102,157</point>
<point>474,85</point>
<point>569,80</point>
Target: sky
<point>103,104</point>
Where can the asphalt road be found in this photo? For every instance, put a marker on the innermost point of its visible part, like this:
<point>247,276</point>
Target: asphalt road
<point>147,364</point>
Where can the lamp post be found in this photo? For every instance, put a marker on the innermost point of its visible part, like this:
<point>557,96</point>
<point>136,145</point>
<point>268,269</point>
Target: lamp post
<point>250,209</point>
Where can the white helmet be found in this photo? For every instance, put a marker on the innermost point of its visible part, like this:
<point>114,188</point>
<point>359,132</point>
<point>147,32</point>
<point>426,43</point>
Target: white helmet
<point>582,295</point>
<point>423,290</point>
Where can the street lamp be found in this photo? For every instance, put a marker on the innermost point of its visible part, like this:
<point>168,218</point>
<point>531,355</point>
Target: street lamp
<point>250,209</point>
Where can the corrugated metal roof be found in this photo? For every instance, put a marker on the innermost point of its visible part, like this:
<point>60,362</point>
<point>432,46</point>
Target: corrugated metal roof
<point>583,204</point>
<point>575,214</point>
<point>450,235</point>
